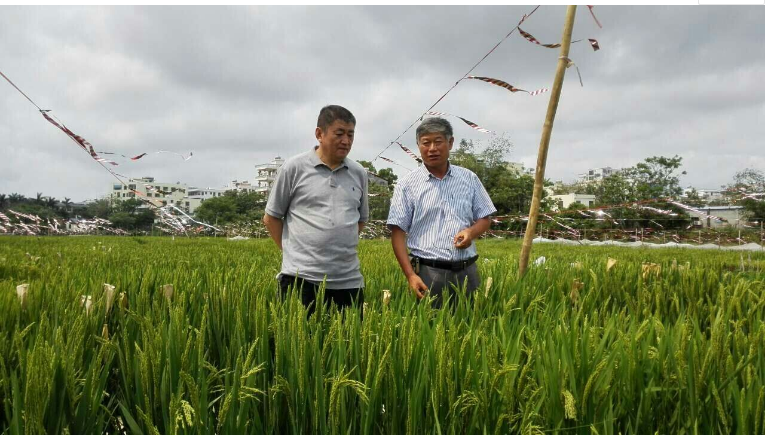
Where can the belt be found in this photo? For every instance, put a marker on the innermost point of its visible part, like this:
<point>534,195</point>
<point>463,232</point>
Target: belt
<point>447,265</point>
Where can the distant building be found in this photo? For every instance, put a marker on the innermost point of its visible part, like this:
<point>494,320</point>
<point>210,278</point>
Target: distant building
<point>705,194</point>
<point>376,180</point>
<point>265,175</point>
<point>236,185</point>
<point>158,193</point>
<point>731,213</point>
<point>519,169</point>
<point>597,174</point>
<point>205,193</point>
<point>564,200</point>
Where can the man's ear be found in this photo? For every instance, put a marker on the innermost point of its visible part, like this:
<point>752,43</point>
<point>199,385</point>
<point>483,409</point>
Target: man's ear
<point>318,134</point>
<point>451,142</point>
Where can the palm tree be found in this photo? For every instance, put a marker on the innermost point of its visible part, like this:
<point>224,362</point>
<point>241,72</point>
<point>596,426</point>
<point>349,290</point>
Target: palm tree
<point>51,202</point>
<point>3,198</point>
<point>39,199</point>
<point>15,198</point>
<point>67,202</point>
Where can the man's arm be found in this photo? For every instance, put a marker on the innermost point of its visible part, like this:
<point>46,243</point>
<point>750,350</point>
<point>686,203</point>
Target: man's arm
<point>399,243</point>
<point>274,225</point>
<point>361,226</point>
<point>278,204</point>
<point>464,238</point>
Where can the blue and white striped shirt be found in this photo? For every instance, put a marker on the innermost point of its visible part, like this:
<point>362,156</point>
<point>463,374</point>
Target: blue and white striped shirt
<point>432,211</point>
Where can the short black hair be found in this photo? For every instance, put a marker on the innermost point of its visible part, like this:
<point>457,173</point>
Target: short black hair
<point>434,125</point>
<point>330,113</point>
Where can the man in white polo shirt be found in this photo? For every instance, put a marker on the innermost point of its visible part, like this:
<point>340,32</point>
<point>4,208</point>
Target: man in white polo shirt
<point>437,212</point>
<point>316,209</point>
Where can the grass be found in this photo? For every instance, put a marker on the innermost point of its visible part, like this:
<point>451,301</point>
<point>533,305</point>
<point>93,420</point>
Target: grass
<point>567,349</point>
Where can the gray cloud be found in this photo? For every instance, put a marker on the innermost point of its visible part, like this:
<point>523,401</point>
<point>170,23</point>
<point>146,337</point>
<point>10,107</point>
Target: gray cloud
<point>239,85</point>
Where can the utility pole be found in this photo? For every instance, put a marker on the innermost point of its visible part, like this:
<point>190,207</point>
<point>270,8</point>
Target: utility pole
<point>542,154</point>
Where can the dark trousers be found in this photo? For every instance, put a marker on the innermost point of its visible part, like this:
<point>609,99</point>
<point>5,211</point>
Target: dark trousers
<point>308,290</point>
<point>442,283</point>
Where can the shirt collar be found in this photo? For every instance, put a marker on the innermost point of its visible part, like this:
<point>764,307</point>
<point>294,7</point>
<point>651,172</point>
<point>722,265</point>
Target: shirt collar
<point>427,174</point>
<point>315,161</point>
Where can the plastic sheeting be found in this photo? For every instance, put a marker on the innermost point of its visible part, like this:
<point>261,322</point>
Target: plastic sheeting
<point>752,247</point>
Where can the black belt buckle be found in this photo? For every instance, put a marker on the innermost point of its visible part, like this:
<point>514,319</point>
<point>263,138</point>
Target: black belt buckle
<point>415,263</point>
<point>461,265</point>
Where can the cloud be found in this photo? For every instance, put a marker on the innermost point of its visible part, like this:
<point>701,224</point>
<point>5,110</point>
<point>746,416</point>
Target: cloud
<point>240,85</point>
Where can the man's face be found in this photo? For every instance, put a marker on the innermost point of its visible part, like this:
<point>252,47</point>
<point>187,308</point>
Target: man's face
<point>434,149</point>
<point>336,140</point>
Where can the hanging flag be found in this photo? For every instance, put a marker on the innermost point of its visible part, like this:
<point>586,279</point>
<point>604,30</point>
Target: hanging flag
<point>590,8</point>
<point>468,122</point>
<point>410,152</point>
<point>499,83</point>
<point>507,86</point>
<point>475,126</point>
<point>76,138</point>
<point>137,157</point>
<point>532,39</point>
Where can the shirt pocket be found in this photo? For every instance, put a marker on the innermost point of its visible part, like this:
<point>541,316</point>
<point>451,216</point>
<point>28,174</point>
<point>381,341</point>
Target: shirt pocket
<point>348,200</point>
<point>460,209</point>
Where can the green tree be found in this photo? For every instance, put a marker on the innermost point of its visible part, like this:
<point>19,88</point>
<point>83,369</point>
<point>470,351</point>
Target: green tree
<point>101,208</point>
<point>15,198</point>
<point>123,220</point>
<point>66,207</point>
<point>693,198</point>
<point>613,190</point>
<point>367,164</point>
<point>379,201</point>
<point>219,210</point>
<point>389,175</point>
<point>747,190</point>
<point>250,205</point>
<point>656,177</point>
<point>510,192</point>
<point>575,206</point>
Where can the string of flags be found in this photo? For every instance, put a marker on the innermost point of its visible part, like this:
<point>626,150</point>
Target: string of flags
<point>468,122</point>
<point>137,157</point>
<point>457,82</point>
<point>88,148</point>
<point>410,152</point>
<point>503,84</point>
<point>507,86</point>
<point>593,43</point>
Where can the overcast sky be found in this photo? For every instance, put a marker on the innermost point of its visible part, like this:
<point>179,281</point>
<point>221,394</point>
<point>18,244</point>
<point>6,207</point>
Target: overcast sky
<point>240,85</point>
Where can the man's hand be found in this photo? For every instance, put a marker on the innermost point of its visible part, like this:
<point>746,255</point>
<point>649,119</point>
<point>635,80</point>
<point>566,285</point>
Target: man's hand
<point>274,226</point>
<point>417,285</point>
<point>463,239</point>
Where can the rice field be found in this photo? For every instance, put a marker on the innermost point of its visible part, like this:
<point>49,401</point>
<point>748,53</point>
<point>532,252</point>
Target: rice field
<point>187,337</point>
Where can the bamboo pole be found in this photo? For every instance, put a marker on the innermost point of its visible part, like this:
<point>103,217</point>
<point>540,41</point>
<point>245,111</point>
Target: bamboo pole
<point>542,154</point>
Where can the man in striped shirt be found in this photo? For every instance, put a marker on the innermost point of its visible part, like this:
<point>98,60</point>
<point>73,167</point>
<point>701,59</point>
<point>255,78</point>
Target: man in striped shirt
<point>437,212</point>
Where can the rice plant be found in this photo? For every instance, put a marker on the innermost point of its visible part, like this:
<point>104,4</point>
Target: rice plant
<point>187,336</point>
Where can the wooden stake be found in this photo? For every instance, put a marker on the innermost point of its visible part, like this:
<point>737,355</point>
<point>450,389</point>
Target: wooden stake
<point>542,154</point>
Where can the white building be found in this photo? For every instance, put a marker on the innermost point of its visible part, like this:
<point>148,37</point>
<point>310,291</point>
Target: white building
<point>205,193</point>
<point>265,175</point>
<point>597,174</point>
<point>236,185</point>
<point>564,200</point>
<point>158,193</point>
<point>519,169</point>
<point>732,214</point>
